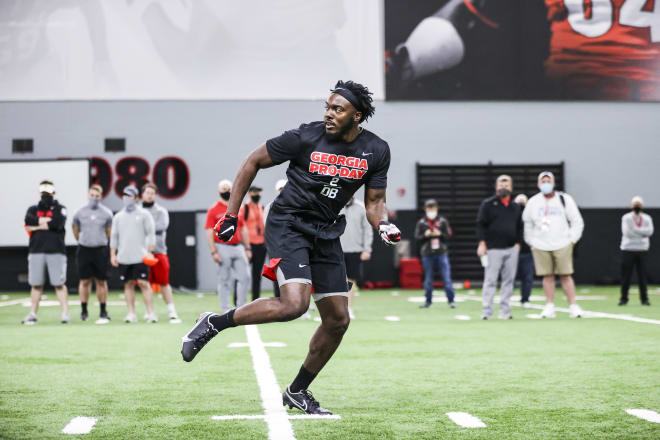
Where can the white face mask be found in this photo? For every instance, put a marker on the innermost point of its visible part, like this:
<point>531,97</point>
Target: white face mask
<point>431,214</point>
<point>546,188</point>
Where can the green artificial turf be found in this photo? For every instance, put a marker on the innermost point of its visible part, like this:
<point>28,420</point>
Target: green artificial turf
<point>524,378</point>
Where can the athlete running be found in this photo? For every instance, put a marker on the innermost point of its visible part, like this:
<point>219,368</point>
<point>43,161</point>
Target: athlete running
<point>328,161</point>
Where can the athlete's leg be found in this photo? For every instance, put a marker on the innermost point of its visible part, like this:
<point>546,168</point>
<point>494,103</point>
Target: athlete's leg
<point>35,297</point>
<point>102,291</point>
<point>129,294</point>
<point>84,288</point>
<point>62,295</point>
<point>292,303</point>
<point>147,295</point>
<point>326,339</point>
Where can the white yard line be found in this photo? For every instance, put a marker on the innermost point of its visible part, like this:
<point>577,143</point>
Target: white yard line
<point>13,302</point>
<point>239,417</point>
<point>466,420</point>
<point>279,426</point>
<point>392,318</point>
<point>291,417</point>
<point>645,414</point>
<point>80,425</point>
<point>587,314</point>
<point>462,317</point>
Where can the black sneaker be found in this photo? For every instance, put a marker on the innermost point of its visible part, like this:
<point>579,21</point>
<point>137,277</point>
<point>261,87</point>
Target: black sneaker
<point>104,315</point>
<point>84,316</point>
<point>623,302</point>
<point>646,303</point>
<point>425,306</point>
<point>304,401</point>
<point>198,336</point>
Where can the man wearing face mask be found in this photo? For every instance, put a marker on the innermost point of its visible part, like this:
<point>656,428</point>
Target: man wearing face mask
<point>553,225</point>
<point>132,239</point>
<point>44,222</point>
<point>91,227</point>
<point>499,231</point>
<point>253,215</point>
<point>636,232</point>
<point>433,233</point>
<point>231,256</point>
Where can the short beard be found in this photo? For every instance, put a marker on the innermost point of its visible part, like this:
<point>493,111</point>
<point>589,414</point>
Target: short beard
<point>341,131</point>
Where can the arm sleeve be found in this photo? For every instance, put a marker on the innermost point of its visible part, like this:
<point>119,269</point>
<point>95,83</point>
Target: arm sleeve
<point>108,222</point>
<point>646,230</point>
<point>573,214</point>
<point>149,231</point>
<point>59,219</point>
<point>368,234</point>
<point>31,218</point>
<point>445,228</point>
<point>378,178</point>
<point>210,220</point>
<point>420,229</point>
<point>163,220</point>
<point>482,222</point>
<point>114,234</point>
<point>284,147</point>
<point>76,219</point>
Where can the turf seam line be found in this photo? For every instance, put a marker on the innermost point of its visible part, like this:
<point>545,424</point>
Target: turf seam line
<point>276,417</point>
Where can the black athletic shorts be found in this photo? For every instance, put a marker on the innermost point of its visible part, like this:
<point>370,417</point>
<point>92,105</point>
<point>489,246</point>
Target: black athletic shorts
<point>133,272</point>
<point>93,262</point>
<point>353,266</point>
<point>308,253</point>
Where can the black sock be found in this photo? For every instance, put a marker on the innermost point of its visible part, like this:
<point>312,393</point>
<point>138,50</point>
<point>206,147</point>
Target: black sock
<point>222,322</point>
<point>302,380</point>
<point>103,308</point>
<point>84,307</point>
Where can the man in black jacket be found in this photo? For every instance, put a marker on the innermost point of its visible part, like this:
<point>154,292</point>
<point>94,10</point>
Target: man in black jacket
<point>44,223</point>
<point>499,231</point>
<point>432,233</point>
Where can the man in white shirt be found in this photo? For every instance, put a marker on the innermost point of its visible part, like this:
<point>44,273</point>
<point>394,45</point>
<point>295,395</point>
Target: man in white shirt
<point>636,231</point>
<point>553,225</point>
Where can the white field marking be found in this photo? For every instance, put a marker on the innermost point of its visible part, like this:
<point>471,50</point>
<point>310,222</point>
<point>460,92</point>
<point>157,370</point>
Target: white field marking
<point>645,414</point>
<point>533,315</point>
<point>588,314</point>
<point>462,317</point>
<point>290,417</point>
<point>4,297</point>
<point>80,425</point>
<point>13,302</point>
<point>266,344</point>
<point>279,426</point>
<point>200,295</point>
<point>395,293</point>
<point>466,420</point>
<point>584,291</point>
<point>392,318</point>
<point>471,292</point>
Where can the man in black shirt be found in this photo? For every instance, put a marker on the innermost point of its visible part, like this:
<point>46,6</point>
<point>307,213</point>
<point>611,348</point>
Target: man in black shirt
<point>328,161</point>
<point>44,222</point>
<point>499,230</point>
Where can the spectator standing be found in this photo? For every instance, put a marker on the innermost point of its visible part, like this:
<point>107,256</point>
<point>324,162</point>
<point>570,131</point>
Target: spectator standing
<point>499,231</point>
<point>91,226</point>
<point>433,233</point>
<point>44,223</point>
<point>279,186</point>
<point>253,215</point>
<point>356,243</point>
<point>525,270</point>
<point>131,240</point>
<point>553,225</point>
<point>231,256</point>
<point>159,273</point>
<point>636,232</point>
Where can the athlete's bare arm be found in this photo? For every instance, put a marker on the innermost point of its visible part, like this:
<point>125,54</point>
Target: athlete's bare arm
<point>257,160</point>
<point>374,202</point>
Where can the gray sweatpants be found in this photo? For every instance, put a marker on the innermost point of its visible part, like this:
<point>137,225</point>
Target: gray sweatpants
<point>505,262</point>
<point>233,260</point>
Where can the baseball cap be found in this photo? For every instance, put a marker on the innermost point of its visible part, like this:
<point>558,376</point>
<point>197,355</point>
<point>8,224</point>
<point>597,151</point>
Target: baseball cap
<point>131,190</point>
<point>255,188</point>
<point>46,186</point>
<point>430,202</point>
<point>549,174</point>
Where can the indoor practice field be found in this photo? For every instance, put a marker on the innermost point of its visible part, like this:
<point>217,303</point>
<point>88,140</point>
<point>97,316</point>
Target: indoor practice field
<point>397,374</point>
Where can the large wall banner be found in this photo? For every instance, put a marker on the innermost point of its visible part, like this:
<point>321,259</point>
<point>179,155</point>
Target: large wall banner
<point>523,49</point>
<point>187,49</point>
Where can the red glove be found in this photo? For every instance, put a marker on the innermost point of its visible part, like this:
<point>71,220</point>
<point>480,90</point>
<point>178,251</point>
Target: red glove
<point>226,227</point>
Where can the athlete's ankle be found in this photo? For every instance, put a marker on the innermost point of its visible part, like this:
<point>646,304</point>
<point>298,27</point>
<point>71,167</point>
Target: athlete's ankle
<point>226,320</point>
<point>302,380</point>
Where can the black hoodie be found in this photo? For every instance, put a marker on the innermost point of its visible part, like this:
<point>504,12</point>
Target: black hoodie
<point>49,241</point>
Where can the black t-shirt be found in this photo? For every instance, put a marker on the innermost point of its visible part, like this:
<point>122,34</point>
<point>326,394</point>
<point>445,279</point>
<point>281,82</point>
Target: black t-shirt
<point>324,174</point>
<point>50,241</point>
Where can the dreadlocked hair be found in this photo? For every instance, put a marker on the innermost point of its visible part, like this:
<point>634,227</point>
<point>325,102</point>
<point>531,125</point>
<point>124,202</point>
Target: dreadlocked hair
<point>362,94</point>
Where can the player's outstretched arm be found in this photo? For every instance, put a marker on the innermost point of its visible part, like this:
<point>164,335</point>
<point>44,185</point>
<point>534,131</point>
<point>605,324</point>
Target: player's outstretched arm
<point>374,202</point>
<point>257,160</point>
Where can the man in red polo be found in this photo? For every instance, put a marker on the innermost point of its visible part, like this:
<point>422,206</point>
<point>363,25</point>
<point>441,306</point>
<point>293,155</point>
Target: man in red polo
<point>231,256</point>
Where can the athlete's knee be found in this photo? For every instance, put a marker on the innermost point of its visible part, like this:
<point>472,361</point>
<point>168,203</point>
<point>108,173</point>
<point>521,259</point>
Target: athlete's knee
<point>338,325</point>
<point>86,282</point>
<point>292,308</point>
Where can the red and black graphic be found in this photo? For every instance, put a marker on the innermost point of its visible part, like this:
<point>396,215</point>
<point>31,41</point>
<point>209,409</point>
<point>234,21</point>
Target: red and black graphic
<point>523,49</point>
<point>338,165</point>
<point>171,176</point>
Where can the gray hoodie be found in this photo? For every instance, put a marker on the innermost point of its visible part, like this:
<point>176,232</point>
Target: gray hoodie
<point>133,233</point>
<point>635,235</point>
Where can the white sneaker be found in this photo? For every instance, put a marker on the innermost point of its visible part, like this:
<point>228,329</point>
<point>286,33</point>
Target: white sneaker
<point>30,319</point>
<point>504,316</point>
<point>174,319</point>
<point>575,311</point>
<point>145,317</point>
<point>130,318</point>
<point>526,305</point>
<point>102,321</point>
<point>548,311</point>
<point>351,314</point>
<point>65,318</point>
<point>152,318</point>
<point>306,315</point>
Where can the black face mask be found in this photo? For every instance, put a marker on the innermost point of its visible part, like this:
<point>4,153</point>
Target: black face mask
<point>46,199</point>
<point>148,204</point>
<point>637,209</point>
<point>255,199</point>
<point>503,193</point>
<point>225,195</point>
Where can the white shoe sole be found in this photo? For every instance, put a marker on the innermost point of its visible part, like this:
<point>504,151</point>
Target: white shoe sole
<point>102,321</point>
<point>175,321</point>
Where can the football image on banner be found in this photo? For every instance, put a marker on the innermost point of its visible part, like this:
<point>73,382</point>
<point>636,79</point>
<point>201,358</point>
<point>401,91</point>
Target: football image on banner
<point>523,49</point>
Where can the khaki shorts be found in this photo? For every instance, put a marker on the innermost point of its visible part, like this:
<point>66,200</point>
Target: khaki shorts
<point>559,262</point>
